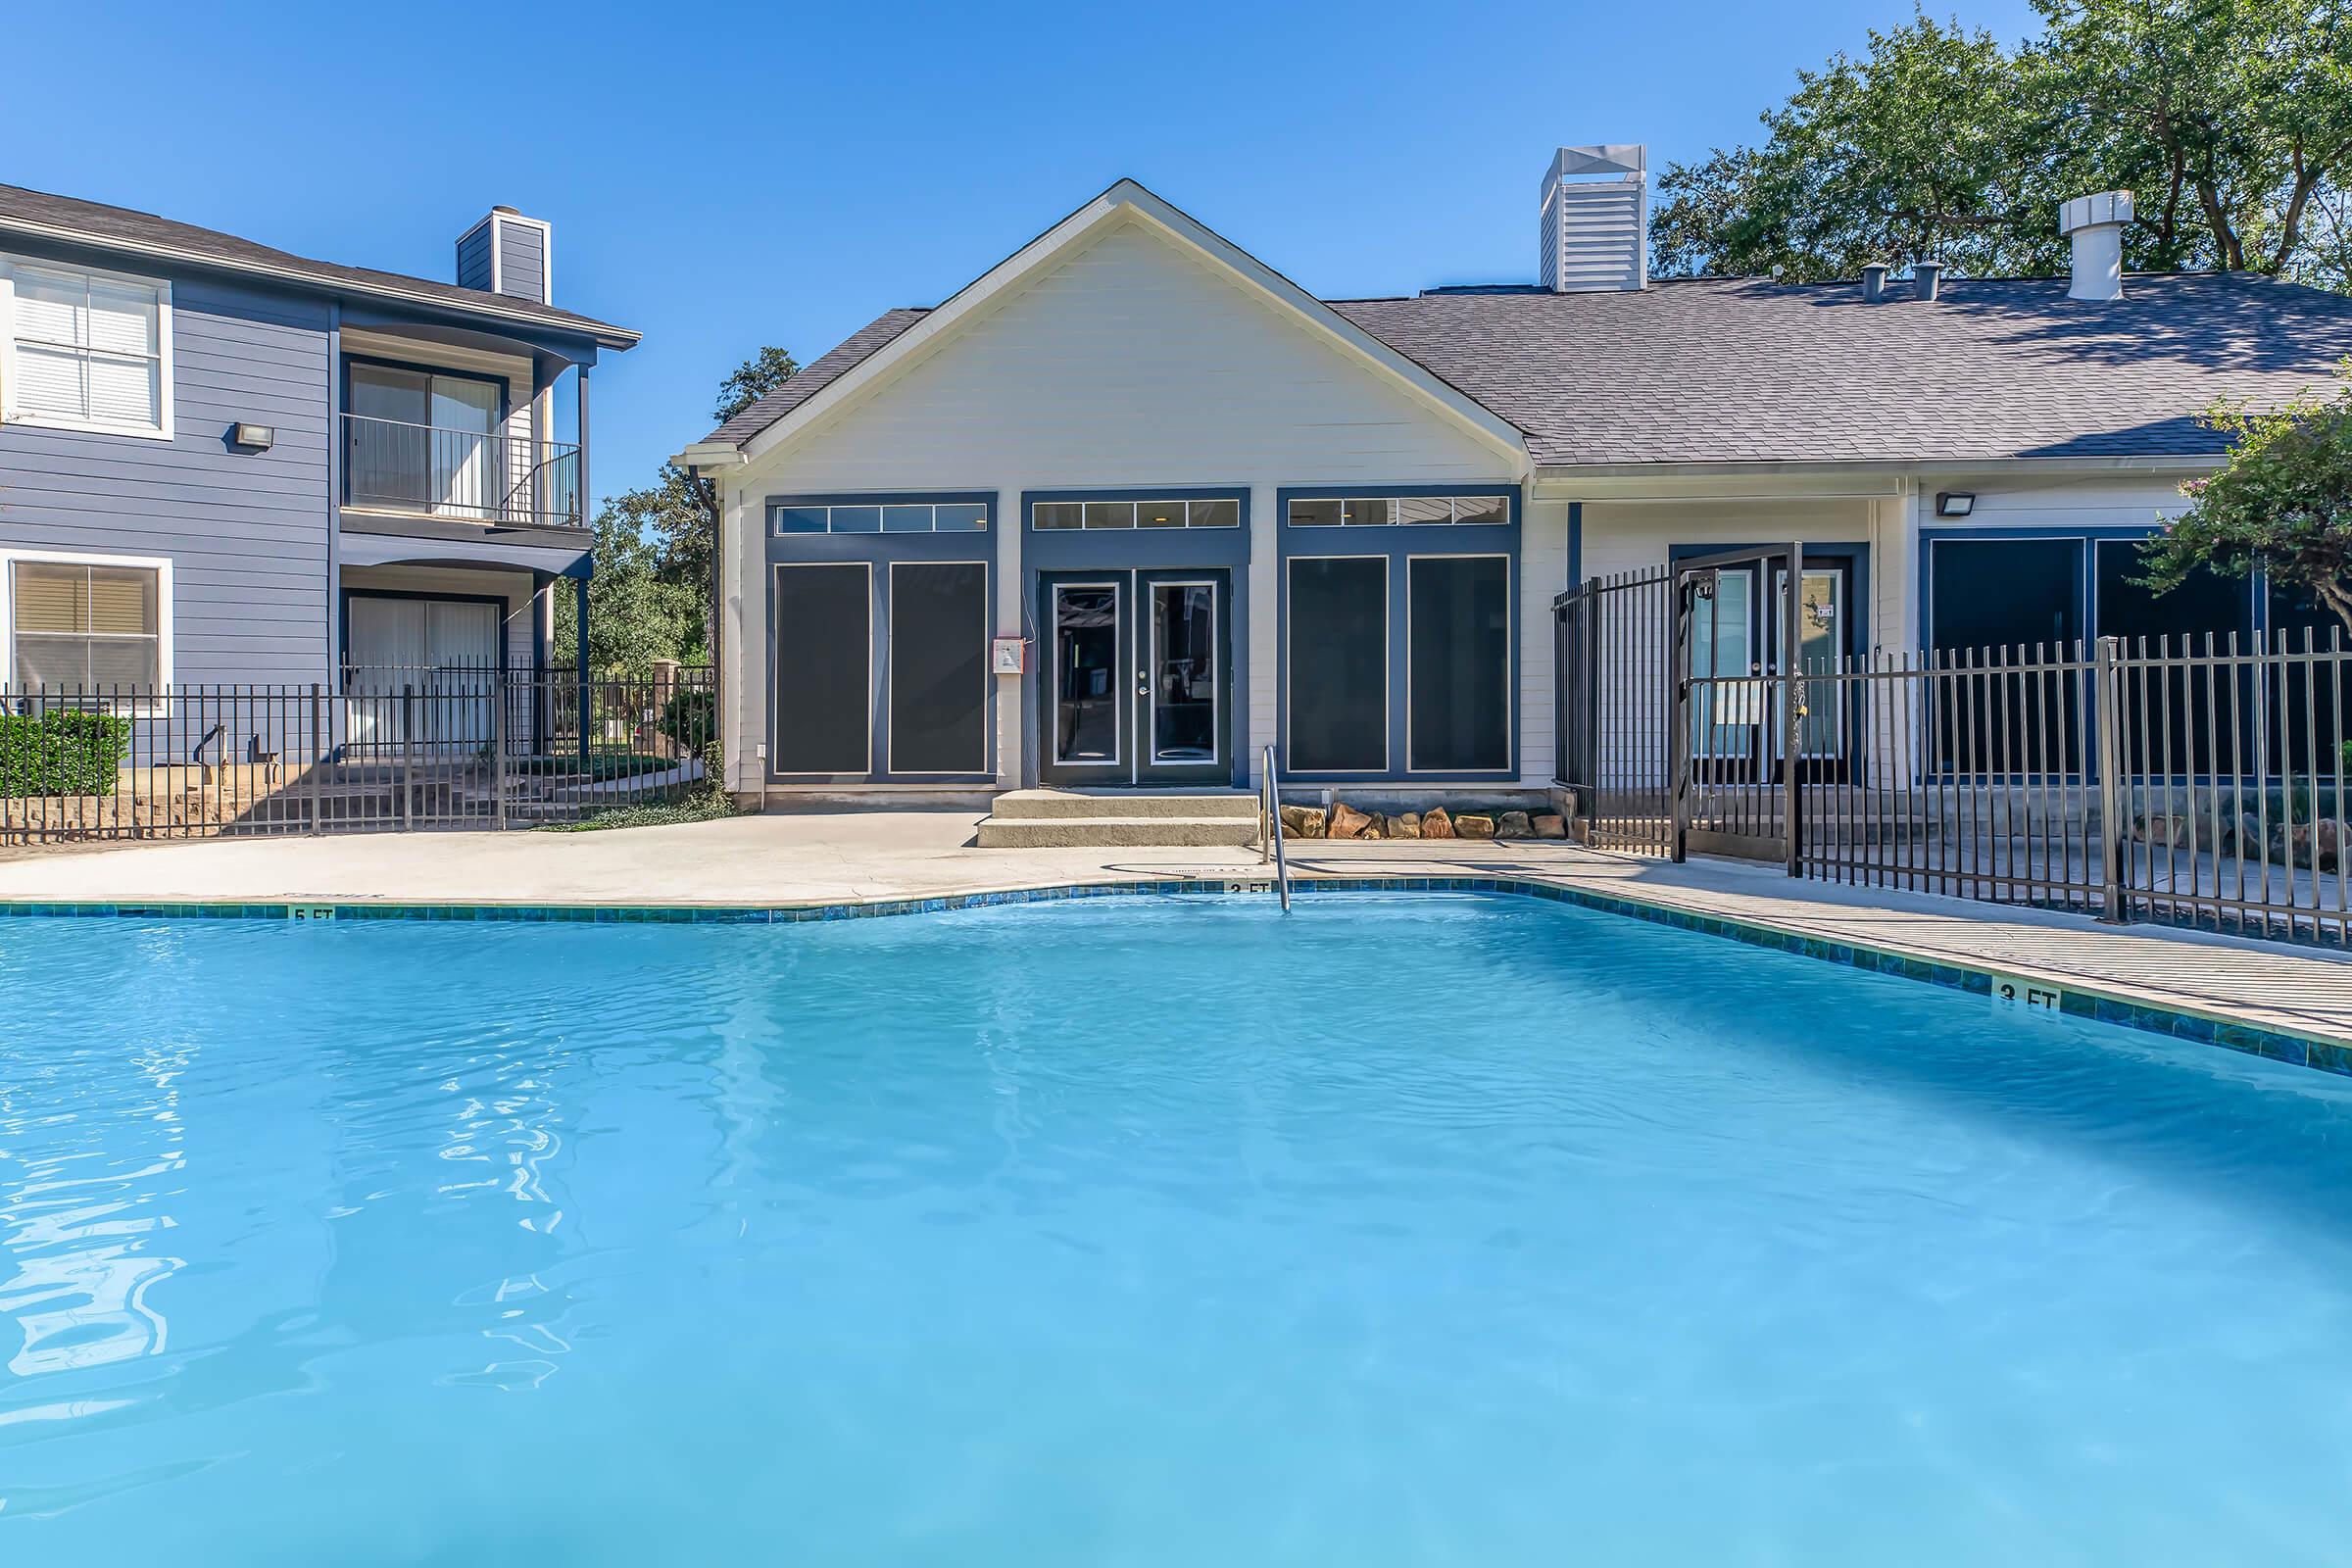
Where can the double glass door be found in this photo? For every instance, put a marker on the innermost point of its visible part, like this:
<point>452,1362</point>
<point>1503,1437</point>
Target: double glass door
<point>1136,690</point>
<point>1738,632</point>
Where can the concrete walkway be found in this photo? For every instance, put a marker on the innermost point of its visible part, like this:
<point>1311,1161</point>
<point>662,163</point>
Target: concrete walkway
<point>847,857</point>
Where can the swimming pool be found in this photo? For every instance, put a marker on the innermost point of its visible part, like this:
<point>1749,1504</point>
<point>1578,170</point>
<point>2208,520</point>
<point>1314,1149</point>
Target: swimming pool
<point>1407,1229</point>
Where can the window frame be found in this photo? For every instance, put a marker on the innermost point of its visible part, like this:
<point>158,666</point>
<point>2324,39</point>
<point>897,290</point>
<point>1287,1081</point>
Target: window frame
<point>1187,499</point>
<point>1510,660</point>
<point>10,414</point>
<point>880,505</point>
<point>160,704</point>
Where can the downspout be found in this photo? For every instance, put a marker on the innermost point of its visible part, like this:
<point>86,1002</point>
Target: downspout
<point>580,601</point>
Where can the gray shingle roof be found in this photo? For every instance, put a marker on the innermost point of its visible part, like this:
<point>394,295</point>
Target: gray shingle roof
<point>98,224</point>
<point>1741,369</point>
<point>1732,370</point>
<point>815,376</point>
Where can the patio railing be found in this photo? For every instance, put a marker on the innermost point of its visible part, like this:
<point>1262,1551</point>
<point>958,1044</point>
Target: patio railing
<point>471,475</point>
<point>388,749</point>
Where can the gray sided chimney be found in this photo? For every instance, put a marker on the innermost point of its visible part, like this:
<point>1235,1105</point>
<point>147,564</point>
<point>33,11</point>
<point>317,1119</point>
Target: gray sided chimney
<point>507,252</point>
<point>2096,223</point>
<point>1595,207</point>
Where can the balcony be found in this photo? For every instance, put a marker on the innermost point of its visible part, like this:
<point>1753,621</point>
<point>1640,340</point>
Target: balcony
<point>466,476</point>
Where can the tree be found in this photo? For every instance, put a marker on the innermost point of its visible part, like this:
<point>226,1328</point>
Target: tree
<point>754,379</point>
<point>634,615</point>
<point>2283,505</point>
<point>1911,150</point>
<point>2230,120</point>
<point>686,522</point>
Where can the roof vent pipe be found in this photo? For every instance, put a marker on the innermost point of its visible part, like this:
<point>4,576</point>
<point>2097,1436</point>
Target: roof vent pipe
<point>1926,278</point>
<point>1874,282</point>
<point>2096,223</point>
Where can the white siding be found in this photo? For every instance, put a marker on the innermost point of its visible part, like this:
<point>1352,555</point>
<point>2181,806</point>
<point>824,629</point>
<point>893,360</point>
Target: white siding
<point>1130,363</point>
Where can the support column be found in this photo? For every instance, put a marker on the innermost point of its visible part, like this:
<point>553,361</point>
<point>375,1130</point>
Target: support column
<point>579,622</point>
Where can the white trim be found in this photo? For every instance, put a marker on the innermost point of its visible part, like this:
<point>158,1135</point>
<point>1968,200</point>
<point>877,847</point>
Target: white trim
<point>161,565</point>
<point>1122,599</point>
<point>890,680</point>
<point>1124,200</point>
<point>1146,747</point>
<point>1290,666</point>
<point>605,334</point>
<point>769,768</point>
<point>9,412</point>
<point>1510,633</point>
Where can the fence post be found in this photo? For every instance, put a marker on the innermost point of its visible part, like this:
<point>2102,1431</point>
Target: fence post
<point>498,746</point>
<point>318,759</point>
<point>1678,727</point>
<point>407,742</point>
<point>1792,702</point>
<point>2112,828</point>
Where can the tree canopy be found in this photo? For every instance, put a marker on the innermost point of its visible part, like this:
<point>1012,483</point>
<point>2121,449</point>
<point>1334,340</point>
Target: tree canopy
<point>2283,505</point>
<point>2229,120</point>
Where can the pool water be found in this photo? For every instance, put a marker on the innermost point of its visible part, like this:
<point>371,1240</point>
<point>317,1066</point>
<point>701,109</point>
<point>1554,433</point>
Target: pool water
<point>1413,1229</point>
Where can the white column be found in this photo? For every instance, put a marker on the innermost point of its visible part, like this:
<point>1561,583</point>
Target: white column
<point>1265,627</point>
<point>1012,621</point>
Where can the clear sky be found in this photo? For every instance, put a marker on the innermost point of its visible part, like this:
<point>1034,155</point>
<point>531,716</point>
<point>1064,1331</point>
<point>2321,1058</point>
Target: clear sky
<point>724,176</point>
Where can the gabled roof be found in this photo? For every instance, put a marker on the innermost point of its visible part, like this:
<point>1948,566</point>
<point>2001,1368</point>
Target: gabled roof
<point>897,336</point>
<point>1737,371</point>
<point>123,228</point>
<point>1725,370</point>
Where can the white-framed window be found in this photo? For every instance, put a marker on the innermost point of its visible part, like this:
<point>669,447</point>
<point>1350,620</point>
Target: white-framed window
<point>1216,511</point>
<point>85,350</point>
<point>95,624</point>
<point>1486,511</point>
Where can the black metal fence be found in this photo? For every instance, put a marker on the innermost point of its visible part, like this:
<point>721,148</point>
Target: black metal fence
<point>386,748</point>
<point>2145,780</point>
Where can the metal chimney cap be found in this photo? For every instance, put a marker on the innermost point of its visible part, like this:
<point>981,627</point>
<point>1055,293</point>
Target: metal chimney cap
<point>2090,211</point>
<point>1629,158</point>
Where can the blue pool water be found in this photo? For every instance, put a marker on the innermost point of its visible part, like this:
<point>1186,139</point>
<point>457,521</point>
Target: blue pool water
<point>1411,1229</point>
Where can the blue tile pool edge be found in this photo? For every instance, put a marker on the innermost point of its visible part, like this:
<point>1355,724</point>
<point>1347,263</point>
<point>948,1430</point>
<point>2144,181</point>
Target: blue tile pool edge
<point>2307,1050</point>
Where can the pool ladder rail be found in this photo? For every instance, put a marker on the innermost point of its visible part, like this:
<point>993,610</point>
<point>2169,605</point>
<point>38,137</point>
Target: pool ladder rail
<point>1269,829</point>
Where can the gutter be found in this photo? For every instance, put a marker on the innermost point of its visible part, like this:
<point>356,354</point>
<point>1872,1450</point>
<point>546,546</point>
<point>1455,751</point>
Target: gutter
<point>602,333</point>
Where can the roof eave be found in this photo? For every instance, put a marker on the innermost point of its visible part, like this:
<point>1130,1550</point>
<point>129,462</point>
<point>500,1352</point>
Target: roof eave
<point>603,333</point>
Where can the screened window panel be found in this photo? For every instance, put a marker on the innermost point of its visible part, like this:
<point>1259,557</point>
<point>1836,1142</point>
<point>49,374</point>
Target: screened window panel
<point>939,680</point>
<point>2309,717</point>
<point>823,670</point>
<point>1988,595</point>
<point>1458,642</point>
<point>2199,732</point>
<point>1339,665</point>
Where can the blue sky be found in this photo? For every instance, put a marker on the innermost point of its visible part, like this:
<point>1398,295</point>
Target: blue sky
<point>722,177</point>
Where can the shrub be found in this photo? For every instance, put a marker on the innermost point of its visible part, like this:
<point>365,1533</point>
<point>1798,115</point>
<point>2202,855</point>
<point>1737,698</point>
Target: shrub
<point>691,716</point>
<point>61,753</point>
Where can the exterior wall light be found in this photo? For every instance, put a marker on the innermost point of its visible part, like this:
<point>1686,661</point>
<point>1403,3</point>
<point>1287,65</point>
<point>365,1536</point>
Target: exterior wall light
<point>252,437</point>
<point>1955,503</point>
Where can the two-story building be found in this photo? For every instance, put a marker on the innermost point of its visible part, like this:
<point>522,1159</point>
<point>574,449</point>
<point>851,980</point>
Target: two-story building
<point>223,464</point>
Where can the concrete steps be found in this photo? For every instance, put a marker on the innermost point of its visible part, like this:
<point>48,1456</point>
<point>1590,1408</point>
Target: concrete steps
<point>1047,819</point>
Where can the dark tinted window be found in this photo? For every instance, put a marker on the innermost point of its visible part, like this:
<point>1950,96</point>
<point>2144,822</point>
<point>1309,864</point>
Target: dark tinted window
<point>822,670</point>
<point>1338,656</point>
<point>2191,717</point>
<point>939,682</point>
<point>2020,595</point>
<point>1459,635</point>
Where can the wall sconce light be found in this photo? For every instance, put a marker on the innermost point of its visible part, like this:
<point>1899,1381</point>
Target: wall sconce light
<point>1955,503</point>
<point>252,437</point>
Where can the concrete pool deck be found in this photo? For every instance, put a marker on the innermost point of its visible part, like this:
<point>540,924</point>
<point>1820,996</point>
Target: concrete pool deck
<point>866,856</point>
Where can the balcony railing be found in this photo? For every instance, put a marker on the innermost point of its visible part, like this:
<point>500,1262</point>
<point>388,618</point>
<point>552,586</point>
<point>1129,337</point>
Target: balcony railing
<point>473,477</point>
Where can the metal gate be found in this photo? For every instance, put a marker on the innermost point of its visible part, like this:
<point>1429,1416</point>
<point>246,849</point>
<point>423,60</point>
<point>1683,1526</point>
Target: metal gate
<point>1738,701</point>
<point>1614,649</point>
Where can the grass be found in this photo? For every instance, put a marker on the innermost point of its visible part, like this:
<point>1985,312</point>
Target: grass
<point>601,767</point>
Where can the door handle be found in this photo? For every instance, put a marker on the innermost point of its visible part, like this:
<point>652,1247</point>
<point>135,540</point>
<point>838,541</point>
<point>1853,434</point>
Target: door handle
<point>1142,683</point>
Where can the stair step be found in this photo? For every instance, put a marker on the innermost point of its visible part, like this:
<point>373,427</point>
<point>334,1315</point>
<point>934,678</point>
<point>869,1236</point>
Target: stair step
<point>1117,832</point>
<point>1031,805</point>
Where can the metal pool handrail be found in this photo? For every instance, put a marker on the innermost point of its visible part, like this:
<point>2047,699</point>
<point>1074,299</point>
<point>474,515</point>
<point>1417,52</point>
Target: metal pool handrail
<point>1269,829</point>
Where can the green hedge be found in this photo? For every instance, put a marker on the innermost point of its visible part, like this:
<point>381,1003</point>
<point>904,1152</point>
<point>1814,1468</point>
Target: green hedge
<point>61,753</point>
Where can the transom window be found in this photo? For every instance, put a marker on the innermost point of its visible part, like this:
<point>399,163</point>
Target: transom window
<point>1399,511</point>
<point>1223,512</point>
<point>943,516</point>
<point>86,349</point>
<point>76,626</point>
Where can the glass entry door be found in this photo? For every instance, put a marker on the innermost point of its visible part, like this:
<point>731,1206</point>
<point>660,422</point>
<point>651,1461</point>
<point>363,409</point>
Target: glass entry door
<point>1135,685</point>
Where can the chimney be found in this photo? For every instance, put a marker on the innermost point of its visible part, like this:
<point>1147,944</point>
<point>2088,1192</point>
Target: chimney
<point>1595,207</point>
<point>507,252</point>
<point>2096,225</point>
<point>1874,282</point>
<point>1926,278</point>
